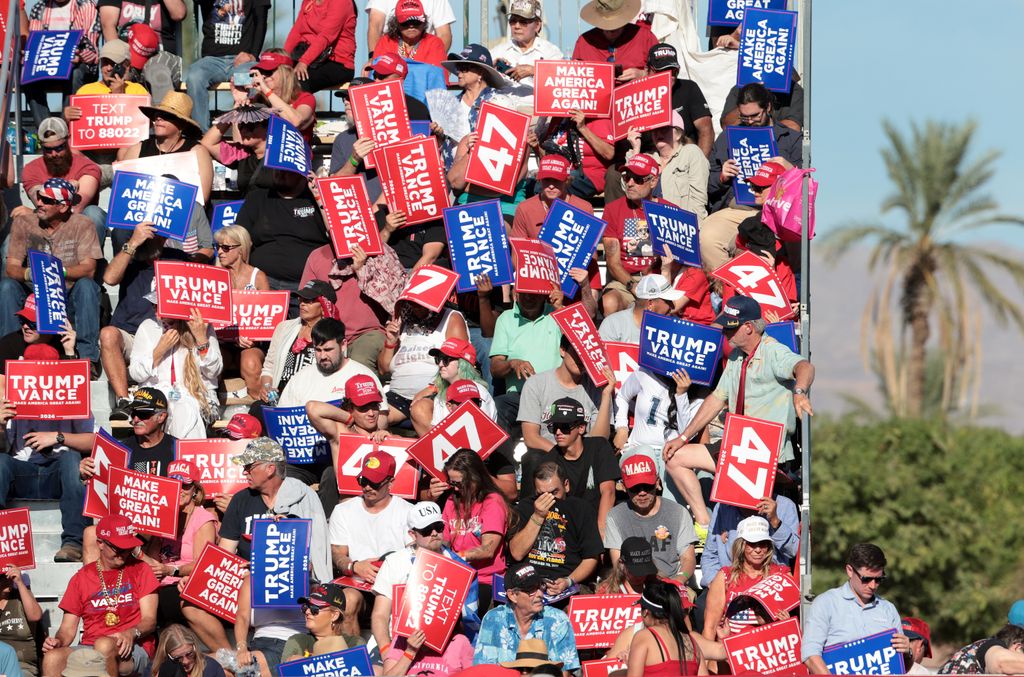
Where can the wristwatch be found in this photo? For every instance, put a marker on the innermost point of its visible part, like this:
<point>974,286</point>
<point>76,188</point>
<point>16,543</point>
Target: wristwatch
<point>60,438</point>
<point>799,391</point>
<point>128,250</point>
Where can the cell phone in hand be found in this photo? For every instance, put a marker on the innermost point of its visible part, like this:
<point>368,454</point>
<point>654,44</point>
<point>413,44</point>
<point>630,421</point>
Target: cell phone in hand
<point>242,79</point>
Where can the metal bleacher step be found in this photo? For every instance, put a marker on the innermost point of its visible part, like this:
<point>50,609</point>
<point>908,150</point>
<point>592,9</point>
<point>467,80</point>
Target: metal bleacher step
<point>48,580</point>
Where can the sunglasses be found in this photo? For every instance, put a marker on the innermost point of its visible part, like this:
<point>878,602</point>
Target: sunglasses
<point>431,529</point>
<point>411,24</point>
<point>444,360</point>
<point>55,149</point>
<point>369,406</point>
<point>46,200</point>
<point>520,20</point>
<point>757,189</point>
<point>530,590</point>
<point>247,468</point>
<point>227,247</point>
<point>871,579</point>
<point>185,656</point>
<point>564,428</point>
<point>313,610</point>
<point>363,482</point>
<point>28,324</point>
<point>115,548</point>
<point>187,486</point>
<point>144,414</point>
<point>630,177</point>
<point>642,488</point>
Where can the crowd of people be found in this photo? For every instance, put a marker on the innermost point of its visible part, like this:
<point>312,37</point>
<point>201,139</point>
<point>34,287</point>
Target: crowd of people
<point>599,489</point>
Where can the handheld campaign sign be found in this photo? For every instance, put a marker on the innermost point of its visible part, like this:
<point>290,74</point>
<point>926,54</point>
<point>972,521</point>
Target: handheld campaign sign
<point>642,104</point>
<point>166,203</point>
<point>16,539</point>
<point>750,147</point>
<point>353,448</point>
<point>380,113</point>
<point>255,314</point>
<point>430,287</point>
<point>49,288</point>
<point>109,121</point>
<point>212,457</point>
<point>413,180</point>
<point>183,285</point>
<point>434,593</point>
<point>597,620</point>
<point>751,276</point>
<point>48,389</point>
<point>573,235</point>
<point>467,427</point>
<point>291,428</point>
<point>731,12</point>
<point>767,44</point>
<point>624,360</point>
<point>224,214</point>
<point>286,148</point>
<point>605,667</point>
<point>766,649</point>
<point>668,344</point>
<point>575,323</point>
<point>784,333</point>
<point>106,453</point>
<point>676,229</point>
<point>216,581</point>
<point>149,501</point>
<point>775,594</point>
<point>748,461</point>
<point>498,154</point>
<point>562,86</point>
<point>358,583</point>
<point>280,562</point>
<point>478,243</point>
<point>183,166</point>
<point>872,655</point>
<point>536,266</point>
<point>346,663</point>
<point>48,55</point>
<point>348,214</point>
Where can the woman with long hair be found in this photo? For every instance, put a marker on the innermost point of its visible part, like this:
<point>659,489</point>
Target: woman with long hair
<point>233,247</point>
<point>751,563</point>
<point>181,358</point>
<point>405,34</point>
<point>664,646</point>
<point>178,655</point>
<point>276,85</point>
<point>660,408</point>
<point>684,169</point>
<point>457,381</point>
<point>475,518</point>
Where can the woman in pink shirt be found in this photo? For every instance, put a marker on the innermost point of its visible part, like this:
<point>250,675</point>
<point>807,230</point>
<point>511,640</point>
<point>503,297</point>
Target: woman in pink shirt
<point>475,518</point>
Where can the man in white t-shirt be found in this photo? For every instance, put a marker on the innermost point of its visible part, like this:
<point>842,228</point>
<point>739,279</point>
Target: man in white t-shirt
<point>364,530</point>
<point>440,18</point>
<point>325,380</point>
<point>523,46</point>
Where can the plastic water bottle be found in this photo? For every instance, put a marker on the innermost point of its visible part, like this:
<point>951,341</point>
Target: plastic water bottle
<point>220,174</point>
<point>12,138</point>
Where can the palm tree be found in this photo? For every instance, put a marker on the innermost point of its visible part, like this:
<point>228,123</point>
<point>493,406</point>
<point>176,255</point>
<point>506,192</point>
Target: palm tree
<point>940,191</point>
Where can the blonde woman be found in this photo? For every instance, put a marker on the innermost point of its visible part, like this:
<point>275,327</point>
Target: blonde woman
<point>182,359</point>
<point>233,247</point>
<point>178,655</point>
<point>276,85</point>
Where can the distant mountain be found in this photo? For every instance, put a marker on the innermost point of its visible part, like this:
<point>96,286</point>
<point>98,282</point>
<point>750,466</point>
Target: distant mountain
<point>840,291</point>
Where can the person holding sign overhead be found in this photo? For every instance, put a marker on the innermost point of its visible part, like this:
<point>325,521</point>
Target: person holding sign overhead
<point>762,378</point>
<point>851,611</point>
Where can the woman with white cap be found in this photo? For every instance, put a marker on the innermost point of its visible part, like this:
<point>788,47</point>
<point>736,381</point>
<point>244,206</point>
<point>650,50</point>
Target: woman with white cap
<point>684,169</point>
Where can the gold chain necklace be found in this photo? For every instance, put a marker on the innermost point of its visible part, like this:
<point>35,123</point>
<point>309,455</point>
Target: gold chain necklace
<point>110,619</point>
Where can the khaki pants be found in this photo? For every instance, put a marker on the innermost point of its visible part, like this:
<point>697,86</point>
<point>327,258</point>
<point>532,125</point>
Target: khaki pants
<point>718,235</point>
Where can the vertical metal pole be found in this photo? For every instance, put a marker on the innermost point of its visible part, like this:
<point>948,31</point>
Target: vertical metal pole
<point>10,80</point>
<point>805,317</point>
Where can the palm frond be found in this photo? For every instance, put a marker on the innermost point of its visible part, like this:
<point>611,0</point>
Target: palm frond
<point>838,241</point>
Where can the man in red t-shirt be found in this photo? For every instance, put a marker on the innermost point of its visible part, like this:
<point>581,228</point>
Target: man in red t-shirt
<point>628,250</point>
<point>614,39</point>
<point>115,599</point>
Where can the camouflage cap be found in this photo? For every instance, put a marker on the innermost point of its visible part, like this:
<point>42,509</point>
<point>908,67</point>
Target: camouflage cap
<point>260,449</point>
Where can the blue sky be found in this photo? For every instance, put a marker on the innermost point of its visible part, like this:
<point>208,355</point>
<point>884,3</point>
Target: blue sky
<point>912,60</point>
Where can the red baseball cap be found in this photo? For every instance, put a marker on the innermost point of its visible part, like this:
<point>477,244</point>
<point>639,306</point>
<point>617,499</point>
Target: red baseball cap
<point>463,391</point>
<point>458,348</point>
<point>361,389</point>
<point>143,42</point>
<point>183,470</point>
<point>554,166</point>
<point>915,628</point>
<point>410,10</point>
<point>378,466</point>
<point>118,531</point>
<point>642,164</point>
<point>638,469</point>
<point>41,351</point>
<point>271,61</point>
<point>390,64</point>
<point>766,174</point>
<point>29,311</point>
<point>243,427</point>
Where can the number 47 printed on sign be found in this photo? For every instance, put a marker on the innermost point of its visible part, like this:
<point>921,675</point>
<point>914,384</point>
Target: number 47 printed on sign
<point>752,277</point>
<point>748,461</point>
<point>497,155</point>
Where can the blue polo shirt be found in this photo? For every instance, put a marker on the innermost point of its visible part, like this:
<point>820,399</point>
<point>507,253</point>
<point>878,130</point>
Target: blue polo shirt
<point>836,617</point>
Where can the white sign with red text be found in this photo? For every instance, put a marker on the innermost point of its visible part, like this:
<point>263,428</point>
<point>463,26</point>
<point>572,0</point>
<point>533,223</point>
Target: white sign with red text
<point>109,121</point>
<point>465,428</point>
<point>748,460</point>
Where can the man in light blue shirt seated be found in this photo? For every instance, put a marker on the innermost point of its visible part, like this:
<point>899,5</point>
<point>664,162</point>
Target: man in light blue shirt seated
<point>852,610</point>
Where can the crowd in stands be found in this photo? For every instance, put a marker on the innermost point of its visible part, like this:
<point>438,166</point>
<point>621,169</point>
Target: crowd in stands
<point>598,489</point>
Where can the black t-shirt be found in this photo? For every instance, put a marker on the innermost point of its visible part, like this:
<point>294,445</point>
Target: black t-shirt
<point>245,506</point>
<point>233,26</point>
<point>408,242</point>
<point>134,12</point>
<point>569,535</point>
<point>151,460</point>
<point>595,465</point>
<point>688,100</point>
<point>284,231</point>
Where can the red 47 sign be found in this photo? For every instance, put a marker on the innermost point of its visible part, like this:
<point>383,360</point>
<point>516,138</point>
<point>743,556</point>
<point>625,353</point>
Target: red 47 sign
<point>465,428</point>
<point>624,359</point>
<point>498,152</point>
<point>752,277</point>
<point>352,449</point>
<point>430,287</point>
<point>747,464</point>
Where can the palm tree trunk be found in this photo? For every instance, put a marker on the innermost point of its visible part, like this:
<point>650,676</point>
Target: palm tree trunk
<point>917,307</point>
